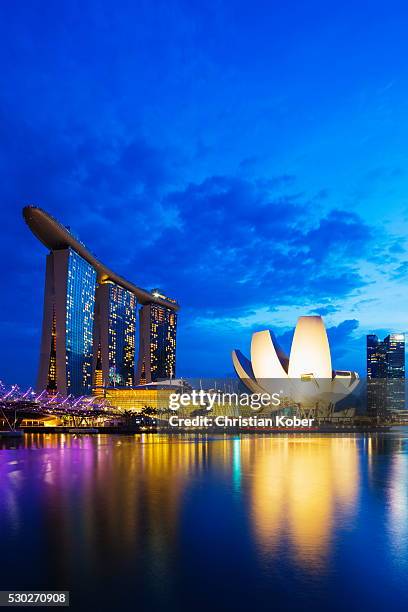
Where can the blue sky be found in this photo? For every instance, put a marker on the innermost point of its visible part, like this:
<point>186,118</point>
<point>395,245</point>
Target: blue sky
<point>249,158</point>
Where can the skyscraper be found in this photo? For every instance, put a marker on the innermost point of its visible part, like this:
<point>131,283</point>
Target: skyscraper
<point>376,362</point>
<point>376,377</point>
<point>115,329</point>
<point>157,353</point>
<point>394,345</point>
<point>89,319</point>
<point>67,337</point>
<point>385,374</point>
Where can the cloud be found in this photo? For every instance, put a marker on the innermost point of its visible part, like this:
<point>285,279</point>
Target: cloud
<point>224,246</point>
<point>338,334</point>
<point>154,135</point>
<point>240,243</point>
<point>107,190</point>
<point>209,345</point>
<point>324,310</point>
<point>384,173</point>
<point>401,272</point>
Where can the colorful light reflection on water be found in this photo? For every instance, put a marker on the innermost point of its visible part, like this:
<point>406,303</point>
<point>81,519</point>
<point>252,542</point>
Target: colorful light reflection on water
<point>318,522</point>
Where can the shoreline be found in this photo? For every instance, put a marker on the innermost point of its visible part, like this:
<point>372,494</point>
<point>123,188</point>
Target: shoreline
<point>328,429</point>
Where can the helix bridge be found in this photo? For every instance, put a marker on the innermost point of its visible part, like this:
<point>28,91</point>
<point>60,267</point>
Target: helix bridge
<point>21,407</point>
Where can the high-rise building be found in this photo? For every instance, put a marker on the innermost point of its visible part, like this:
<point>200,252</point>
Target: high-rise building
<point>89,320</point>
<point>67,337</point>
<point>385,374</point>
<point>157,349</point>
<point>394,345</point>
<point>376,362</point>
<point>115,329</point>
<point>376,377</point>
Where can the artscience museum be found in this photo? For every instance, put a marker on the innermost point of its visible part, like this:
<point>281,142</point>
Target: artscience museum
<point>306,379</point>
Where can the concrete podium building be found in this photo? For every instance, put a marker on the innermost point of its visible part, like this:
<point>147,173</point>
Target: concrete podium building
<point>89,331</point>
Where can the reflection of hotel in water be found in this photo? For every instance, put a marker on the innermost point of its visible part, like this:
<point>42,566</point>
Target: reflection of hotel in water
<point>126,496</point>
<point>296,492</point>
<point>295,488</point>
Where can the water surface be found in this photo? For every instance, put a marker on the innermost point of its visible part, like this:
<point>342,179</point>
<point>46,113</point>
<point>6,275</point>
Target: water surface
<point>181,523</point>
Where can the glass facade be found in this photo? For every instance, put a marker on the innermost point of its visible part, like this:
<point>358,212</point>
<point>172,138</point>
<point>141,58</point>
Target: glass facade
<point>385,374</point>
<point>376,364</point>
<point>376,377</point>
<point>89,319</point>
<point>80,303</point>
<point>137,399</point>
<point>394,345</point>
<point>163,326</point>
<point>121,335</point>
<point>89,330</point>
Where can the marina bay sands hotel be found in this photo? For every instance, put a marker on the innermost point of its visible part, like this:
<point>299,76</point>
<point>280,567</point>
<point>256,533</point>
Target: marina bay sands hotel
<point>90,330</point>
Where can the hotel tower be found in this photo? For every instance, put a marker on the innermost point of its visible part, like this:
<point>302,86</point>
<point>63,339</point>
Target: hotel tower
<point>89,332</point>
<point>157,355</point>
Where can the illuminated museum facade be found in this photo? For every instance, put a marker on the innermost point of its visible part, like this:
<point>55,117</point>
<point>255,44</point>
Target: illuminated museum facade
<point>90,333</point>
<point>305,378</point>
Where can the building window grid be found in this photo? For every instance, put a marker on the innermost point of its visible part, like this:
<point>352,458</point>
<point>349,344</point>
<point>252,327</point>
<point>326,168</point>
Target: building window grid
<point>80,303</point>
<point>163,324</point>
<point>122,329</point>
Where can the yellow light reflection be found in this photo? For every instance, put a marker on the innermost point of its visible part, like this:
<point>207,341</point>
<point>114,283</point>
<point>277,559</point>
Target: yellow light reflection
<point>298,488</point>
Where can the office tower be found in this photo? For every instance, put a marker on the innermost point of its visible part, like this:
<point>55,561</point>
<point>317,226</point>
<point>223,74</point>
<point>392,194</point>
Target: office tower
<point>67,336</point>
<point>157,348</point>
<point>115,328</point>
<point>385,374</point>
<point>89,319</point>
<point>376,358</point>
<point>394,346</point>
<point>376,377</point>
